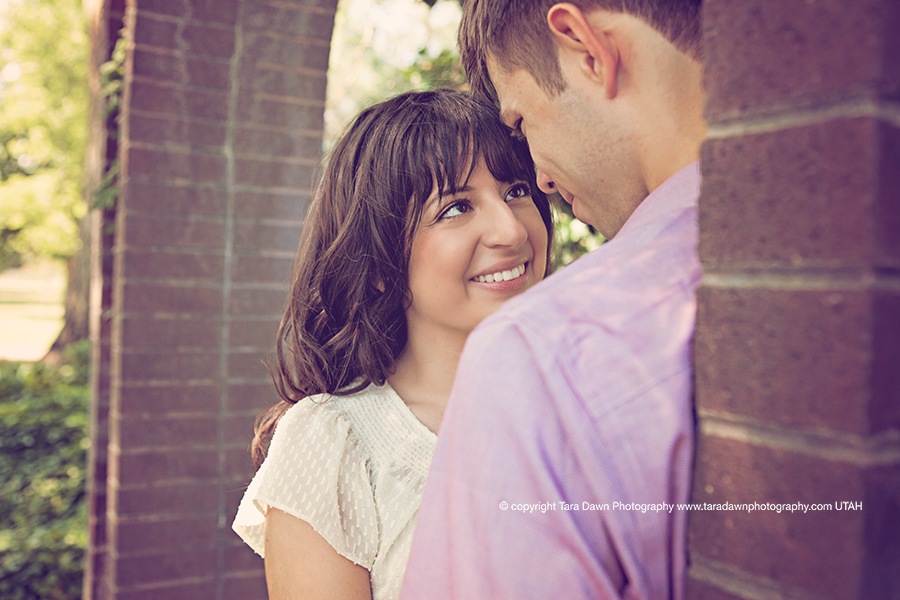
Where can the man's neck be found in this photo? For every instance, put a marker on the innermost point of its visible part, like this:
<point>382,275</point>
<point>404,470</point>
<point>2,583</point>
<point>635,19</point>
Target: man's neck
<point>673,128</point>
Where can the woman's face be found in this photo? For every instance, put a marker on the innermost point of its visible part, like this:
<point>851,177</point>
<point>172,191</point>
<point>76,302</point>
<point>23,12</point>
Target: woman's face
<point>475,248</point>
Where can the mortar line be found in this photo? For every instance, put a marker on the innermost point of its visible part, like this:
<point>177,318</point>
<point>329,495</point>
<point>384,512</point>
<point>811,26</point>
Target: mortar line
<point>834,279</point>
<point>882,448</point>
<point>799,117</point>
<point>230,194</point>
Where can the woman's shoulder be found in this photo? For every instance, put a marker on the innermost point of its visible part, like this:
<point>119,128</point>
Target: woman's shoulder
<point>308,417</point>
<point>352,466</point>
<point>316,470</point>
<point>338,413</point>
<point>376,417</point>
<point>364,410</point>
<point>385,424</point>
<point>319,407</point>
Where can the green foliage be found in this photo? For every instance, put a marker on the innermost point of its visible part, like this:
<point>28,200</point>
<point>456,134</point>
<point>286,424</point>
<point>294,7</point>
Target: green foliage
<point>442,71</point>
<point>382,48</point>
<point>38,217</point>
<point>112,76</point>
<point>43,128</point>
<point>573,237</point>
<point>112,81</point>
<point>43,510</point>
<point>108,191</point>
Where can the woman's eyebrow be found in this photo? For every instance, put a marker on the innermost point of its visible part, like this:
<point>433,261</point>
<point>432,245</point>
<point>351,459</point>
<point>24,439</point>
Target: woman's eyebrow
<point>448,191</point>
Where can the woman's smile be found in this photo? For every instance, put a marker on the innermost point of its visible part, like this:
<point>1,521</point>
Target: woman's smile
<point>501,275</point>
<point>479,246</point>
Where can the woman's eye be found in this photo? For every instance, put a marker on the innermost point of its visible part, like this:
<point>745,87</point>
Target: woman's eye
<point>455,210</point>
<point>520,190</point>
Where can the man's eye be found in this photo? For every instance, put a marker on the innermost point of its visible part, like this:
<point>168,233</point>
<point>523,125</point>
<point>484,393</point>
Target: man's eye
<point>519,190</point>
<point>517,130</point>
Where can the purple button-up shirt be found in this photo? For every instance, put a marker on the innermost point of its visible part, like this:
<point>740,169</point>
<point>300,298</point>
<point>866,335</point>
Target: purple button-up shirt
<point>569,432</point>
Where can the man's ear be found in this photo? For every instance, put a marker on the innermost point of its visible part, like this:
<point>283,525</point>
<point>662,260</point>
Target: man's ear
<point>597,51</point>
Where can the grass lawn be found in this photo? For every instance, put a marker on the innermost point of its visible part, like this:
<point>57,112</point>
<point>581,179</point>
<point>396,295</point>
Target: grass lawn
<point>31,310</point>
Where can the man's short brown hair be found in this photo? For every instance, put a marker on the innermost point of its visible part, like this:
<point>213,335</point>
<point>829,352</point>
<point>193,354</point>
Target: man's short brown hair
<point>515,34</point>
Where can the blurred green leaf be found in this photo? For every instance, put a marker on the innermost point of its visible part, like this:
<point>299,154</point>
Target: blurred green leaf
<point>573,238</point>
<point>43,128</point>
<point>43,509</point>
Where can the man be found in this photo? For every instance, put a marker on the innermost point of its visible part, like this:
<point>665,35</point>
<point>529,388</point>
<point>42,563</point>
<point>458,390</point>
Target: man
<point>569,432</point>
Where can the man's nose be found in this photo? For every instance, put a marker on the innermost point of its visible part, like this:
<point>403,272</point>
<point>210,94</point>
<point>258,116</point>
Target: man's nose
<point>545,183</point>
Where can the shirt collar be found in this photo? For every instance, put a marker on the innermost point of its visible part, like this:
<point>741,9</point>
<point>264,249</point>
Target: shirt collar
<point>678,192</point>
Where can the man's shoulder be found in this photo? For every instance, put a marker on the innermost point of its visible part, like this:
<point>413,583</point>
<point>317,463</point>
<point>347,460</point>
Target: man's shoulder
<point>561,295</point>
<point>623,309</point>
<point>654,257</point>
<point>621,277</point>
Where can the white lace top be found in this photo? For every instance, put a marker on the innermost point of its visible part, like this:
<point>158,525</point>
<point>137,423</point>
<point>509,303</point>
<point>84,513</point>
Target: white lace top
<point>354,468</point>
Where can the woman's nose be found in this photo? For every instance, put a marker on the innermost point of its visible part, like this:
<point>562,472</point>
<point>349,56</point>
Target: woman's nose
<point>503,227</point>
<point>545,183</point>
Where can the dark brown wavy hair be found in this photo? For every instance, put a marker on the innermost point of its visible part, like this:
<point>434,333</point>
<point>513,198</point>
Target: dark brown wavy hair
<point>345,324</point>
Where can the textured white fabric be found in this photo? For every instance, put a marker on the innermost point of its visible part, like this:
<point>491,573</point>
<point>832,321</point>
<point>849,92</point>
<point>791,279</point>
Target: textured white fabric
<point>354,468</point>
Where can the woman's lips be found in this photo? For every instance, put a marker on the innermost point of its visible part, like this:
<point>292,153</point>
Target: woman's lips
<point>504,275</point>
<point>515,285</point>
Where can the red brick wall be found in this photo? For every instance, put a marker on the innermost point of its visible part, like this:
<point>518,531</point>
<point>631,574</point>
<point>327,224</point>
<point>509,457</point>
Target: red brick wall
<point>219,134</point>
<point>798,341</point>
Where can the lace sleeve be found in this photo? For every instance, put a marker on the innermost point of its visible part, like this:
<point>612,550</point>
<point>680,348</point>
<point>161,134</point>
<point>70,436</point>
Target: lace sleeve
<point>316,471</point>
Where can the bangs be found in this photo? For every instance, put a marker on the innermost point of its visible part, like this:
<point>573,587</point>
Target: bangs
<point>508,158</point>
<point>438,166</point>
<point>474,130</point>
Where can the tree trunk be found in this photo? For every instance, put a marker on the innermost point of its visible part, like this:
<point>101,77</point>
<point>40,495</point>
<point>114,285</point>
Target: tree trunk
<point>78,268</point>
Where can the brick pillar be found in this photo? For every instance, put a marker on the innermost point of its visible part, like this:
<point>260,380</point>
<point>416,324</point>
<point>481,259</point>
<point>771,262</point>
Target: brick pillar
<point>798,339</point>
<point>219,134</point>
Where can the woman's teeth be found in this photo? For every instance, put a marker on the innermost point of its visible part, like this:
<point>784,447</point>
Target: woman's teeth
<point>502,275</point>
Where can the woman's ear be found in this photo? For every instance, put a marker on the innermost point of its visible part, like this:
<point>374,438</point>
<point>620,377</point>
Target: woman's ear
<point>594,49</point>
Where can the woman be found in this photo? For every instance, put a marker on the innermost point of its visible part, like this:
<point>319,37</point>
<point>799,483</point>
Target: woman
<point>427,219</point>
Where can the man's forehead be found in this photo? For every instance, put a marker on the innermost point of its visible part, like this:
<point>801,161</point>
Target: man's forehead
<point>496,73</point>
<point>501,80</point>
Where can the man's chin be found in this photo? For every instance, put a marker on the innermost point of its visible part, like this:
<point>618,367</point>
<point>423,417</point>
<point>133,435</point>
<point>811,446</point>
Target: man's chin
<point>577,210</point>
<point>580,213</point>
